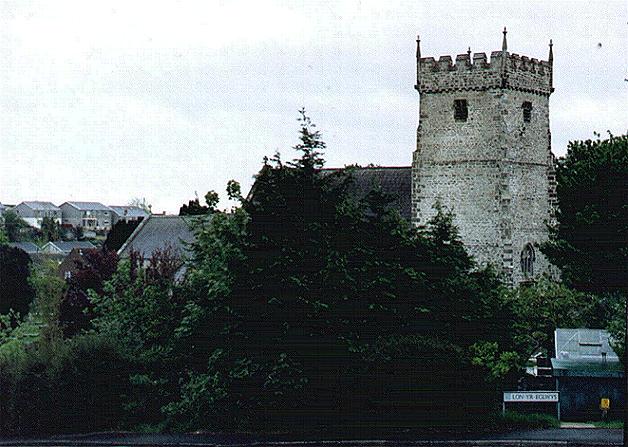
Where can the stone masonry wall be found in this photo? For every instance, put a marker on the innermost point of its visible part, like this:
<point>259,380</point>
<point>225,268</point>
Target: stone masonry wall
<point>494,170</point>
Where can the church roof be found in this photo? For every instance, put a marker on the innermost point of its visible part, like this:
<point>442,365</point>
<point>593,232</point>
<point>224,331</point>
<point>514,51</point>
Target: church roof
<point>393,180</point>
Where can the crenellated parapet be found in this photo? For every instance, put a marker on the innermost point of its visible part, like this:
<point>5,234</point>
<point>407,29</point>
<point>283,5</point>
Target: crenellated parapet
<point>503,70</point>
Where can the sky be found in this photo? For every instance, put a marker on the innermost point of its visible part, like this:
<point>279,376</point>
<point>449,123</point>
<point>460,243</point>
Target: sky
<point>116,100</point>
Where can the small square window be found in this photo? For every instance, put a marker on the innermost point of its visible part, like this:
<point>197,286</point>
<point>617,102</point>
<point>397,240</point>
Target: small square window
<point>461,111</point>
<point>527,111</point>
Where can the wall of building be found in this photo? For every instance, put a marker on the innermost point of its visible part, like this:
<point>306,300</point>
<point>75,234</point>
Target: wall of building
<point>77,217</point>
<point>580,397</point>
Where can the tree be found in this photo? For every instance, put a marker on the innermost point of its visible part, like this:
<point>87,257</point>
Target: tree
<point>50,228</point>
<point>93,270</point>
<point>193,208</point>
<point>139,307</point>
<point>307,301</point>
<point>141,203</point>
<point>14,226</point>
<point>589,244</point>
<point>120,233</point>
<point>15,291</point>
<point>4,239</point>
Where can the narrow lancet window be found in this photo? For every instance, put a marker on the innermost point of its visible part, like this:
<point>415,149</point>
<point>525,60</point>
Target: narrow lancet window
<point>527,111</point>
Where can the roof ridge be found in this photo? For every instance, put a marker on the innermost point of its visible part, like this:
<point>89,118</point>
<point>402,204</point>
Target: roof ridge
<point>367,167</point>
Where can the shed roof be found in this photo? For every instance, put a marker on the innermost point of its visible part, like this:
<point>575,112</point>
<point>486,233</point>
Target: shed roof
<point>158,233</point>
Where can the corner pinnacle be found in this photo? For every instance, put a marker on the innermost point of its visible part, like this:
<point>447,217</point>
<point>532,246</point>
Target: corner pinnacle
<point>550,58</point>
<point>504,44</point>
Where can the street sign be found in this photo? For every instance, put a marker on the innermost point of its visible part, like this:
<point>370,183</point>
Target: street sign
<point>530,396</point>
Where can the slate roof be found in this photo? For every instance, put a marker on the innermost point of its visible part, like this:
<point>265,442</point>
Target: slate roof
<point>88,206</point>
<point>43,206</point>
<point>585,353</point>
<point>28,247</point>
<point>131,211</point>
<point>582,344</point>
<point>67,246</point>
<point>159,232</point>
<point>393,180</point>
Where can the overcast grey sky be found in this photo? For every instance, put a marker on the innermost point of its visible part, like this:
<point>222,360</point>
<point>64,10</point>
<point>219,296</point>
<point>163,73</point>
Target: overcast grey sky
<point>112,100</point>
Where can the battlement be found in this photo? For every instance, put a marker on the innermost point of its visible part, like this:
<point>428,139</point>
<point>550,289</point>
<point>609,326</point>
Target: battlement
<point>503,70</point>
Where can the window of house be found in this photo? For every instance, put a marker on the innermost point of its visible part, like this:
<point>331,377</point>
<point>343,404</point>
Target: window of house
<point>461,111</point>
<point>527,111</point>
<point>527,260</point>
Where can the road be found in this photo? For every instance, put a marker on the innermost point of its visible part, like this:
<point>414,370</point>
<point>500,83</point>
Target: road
<point>551,437</point>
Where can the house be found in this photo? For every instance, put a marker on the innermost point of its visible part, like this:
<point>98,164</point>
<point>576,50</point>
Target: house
<point>73,262</point>
<point>89,215</point>
<point>29,247</point>
<point>160,233</point>
<point>127,213</point>
<point>587,370</point>
<point>33,212</point>
<point>65,247</point>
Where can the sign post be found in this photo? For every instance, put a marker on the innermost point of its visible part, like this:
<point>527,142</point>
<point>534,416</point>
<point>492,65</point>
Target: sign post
<point>531,396</point>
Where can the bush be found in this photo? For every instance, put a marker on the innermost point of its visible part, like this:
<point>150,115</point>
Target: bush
<point>77,388</point>
<point>513,420</point>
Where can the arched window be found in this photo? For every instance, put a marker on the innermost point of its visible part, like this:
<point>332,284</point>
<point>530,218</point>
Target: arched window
<point>527,260</point>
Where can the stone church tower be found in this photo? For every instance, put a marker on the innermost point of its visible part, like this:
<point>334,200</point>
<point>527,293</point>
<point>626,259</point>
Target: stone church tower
<point>483,151</point>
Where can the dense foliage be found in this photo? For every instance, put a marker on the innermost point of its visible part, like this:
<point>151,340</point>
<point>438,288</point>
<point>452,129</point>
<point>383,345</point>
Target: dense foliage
<point>15,227</point>
<point>93,268</point>
<point>590,242</point>
<point>119,234</point>
<point>329,309</point>
<point>15,291</point>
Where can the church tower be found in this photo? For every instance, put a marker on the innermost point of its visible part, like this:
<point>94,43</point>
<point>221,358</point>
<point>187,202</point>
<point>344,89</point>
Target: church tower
<point>483,151</point>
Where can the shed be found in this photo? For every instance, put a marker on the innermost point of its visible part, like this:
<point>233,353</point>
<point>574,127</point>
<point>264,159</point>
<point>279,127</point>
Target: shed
<point>587,369</point>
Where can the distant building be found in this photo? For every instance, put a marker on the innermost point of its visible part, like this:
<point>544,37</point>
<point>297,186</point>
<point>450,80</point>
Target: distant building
<point>127,213</point>
<point>587,370</point>
<point>65,247</point>
<point>89,215</point>
<point>33,212</point>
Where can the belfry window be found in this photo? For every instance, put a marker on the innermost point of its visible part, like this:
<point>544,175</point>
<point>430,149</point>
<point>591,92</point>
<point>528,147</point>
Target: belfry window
<point>460,110</point>
<point>527,111</point>
<point>527,260</point>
